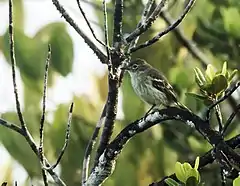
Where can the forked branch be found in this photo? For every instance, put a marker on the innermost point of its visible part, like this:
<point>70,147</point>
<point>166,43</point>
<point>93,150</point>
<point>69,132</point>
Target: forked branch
<point>167,30</point>
<point>102,57</point>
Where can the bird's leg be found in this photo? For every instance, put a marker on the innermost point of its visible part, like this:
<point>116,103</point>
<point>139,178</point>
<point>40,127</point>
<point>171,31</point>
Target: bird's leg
<point>149,110</point>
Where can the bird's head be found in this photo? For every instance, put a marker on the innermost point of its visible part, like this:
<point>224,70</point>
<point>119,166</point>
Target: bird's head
<point>136,66</point>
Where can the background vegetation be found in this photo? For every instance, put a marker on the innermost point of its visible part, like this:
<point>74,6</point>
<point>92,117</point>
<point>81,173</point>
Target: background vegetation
<point>212,25</point>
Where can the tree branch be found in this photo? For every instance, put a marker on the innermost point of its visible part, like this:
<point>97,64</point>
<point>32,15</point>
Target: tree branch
<point>102,57</point>
<point>117,29</point>
<point>13,65</point>
<point>41,129</point>
<point>113,82</point>
<point>89,25</point>
<point>111,112</point>
<point>167,30</point>
<point>90,146</point>
<point>142,21</point>
<point>230,119</point>
<point>144,27</point>
<point>205,159</point>
<point>67,136</point>
<point>110,66</point>
<point>23,130</point>
<point>227,94</point>
<point>189,44</point>
<point>106,162</point>
<point>11,126</point>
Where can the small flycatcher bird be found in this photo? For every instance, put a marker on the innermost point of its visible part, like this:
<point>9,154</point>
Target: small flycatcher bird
<point>150,85</point>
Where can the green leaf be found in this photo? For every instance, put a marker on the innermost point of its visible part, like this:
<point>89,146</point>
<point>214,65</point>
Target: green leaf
<point>61,44</point>
<point>197,96</point>
<point>197,163</point>
<point>193,173</point>
<point>231,25</point>
<point>219,84</point>
<point>18,14</point>
<point>180,172</point>
<point>30,55</point>
<point>187,166</point>
<point>224,68</point>
<point>236,182</point>
<point>171,182</point>
<point>234,72</point>
<point>210,72</point>
<point>18,147</point>
<point>199,77</point>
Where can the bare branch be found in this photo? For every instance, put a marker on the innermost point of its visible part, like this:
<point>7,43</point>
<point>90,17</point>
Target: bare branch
<point>113,81</point>
<point>106,163</point>
<point>11,126</point>
<point>118,16</point>
<point>23,130</point>
<point>66,140</point>
<point>33,146</point>
<point>168,29</point>
<point>111,112</point>
<point>102,57</point>
<point>219,117</point>
<point>144,27</point>
<point>227,94</point>
<point>90,146</point>
<point>229,121</point>
<point>89,25</point>
<point>41,129</point>
<point>190,45</point>
<point>13,64</point>
<point>142,21</point>
<point>106,37</point>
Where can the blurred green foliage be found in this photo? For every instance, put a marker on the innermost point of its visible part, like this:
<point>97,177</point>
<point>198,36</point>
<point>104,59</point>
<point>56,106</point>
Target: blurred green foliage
<point>147,157</point>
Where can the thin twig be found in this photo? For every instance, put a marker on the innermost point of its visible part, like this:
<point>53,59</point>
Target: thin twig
<point>189,44</point>
<point>167,30</point>
<point>33,146</point>
<point>88,23</point>
<point>66,140</point>
<point>142,21</point>
<point>227,94</point>
<point>219,117</point>
<point>67,17</point>
<point>23,130</point>
<point>144,27</point>
<point>90,146</point>
<point>106,37</point>
<point>229,121</point>
<point>11,126</point>
<point>13,64</point>
<point>41,129</point>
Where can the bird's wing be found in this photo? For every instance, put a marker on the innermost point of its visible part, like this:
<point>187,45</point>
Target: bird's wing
<point>160,82</point>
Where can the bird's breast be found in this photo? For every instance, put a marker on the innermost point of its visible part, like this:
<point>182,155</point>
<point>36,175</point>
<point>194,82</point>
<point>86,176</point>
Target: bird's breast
<point>144,89</point>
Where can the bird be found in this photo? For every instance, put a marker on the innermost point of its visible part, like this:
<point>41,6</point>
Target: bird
<point>151,85</point>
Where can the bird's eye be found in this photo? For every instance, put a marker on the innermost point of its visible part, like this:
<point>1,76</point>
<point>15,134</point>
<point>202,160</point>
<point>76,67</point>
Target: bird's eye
<point>134,66</point>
